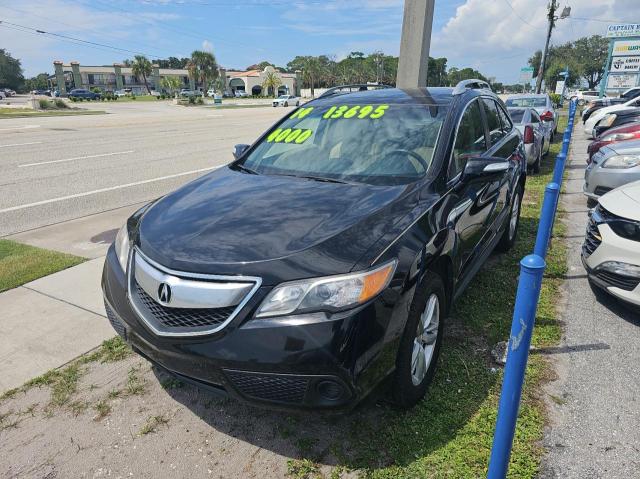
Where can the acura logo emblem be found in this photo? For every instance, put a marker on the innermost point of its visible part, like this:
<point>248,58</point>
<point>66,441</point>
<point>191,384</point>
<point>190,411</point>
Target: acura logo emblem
<point>164,293</point>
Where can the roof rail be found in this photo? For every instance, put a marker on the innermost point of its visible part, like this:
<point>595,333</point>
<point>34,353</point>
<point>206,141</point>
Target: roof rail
<point>354,87</point>
<point>470,84</point>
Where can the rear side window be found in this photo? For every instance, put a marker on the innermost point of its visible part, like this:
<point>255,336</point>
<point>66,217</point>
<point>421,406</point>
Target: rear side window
<point>516,114</point>
<point>496,132</point>
<point>534,117</point>
<point>470,139</point>
<point>505,121</point>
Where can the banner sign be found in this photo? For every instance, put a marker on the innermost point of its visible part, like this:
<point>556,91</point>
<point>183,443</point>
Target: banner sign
<point>626,64</point>
<point>526,74</point>
<point>623,30</point>
<point>560,87</point>
<point>622,48</point>
<point>622,82</point>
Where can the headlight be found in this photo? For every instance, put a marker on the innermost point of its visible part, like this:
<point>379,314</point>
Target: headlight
<point>608,120</point>
<point>626,229</point>
<point>617,137</point>
<point>122,246</point>
<point>330,293</point>
<point>621,161</point>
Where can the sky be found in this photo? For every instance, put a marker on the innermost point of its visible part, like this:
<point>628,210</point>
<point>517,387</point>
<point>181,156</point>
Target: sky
<point>495,37</point>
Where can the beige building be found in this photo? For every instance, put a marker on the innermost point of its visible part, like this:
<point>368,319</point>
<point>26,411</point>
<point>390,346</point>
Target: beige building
<point>251,82</point>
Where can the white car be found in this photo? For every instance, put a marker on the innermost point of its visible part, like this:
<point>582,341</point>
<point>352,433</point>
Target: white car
<point>211,92</point>
<point>286,100</point>
<point>121,93</point>
<point>241,94</point>
<point>585,96</point>
<point>610,252</point>
<point>602,112</point>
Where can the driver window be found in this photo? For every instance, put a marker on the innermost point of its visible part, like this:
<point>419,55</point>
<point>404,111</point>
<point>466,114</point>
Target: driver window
<point>470,139</point>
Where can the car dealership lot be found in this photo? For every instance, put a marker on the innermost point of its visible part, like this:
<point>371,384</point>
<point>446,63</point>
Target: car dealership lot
<point>59,168</point>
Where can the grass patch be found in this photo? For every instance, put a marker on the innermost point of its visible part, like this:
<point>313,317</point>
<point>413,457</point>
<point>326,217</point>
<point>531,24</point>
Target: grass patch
<point>152,424</point>
<point>136,385</point>
<point>449,435</point>
<point>21,263</point>
<point>303,469</point>
<point>103,409</point>
<point>28,112</point>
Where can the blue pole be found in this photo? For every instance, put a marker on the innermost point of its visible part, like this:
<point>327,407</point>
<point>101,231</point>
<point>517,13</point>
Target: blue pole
<point>558,169</point>
<point>551,193</point>
<point>531,270</point>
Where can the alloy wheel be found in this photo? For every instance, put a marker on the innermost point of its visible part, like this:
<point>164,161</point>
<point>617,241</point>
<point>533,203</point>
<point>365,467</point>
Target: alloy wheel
<point>425,341</point>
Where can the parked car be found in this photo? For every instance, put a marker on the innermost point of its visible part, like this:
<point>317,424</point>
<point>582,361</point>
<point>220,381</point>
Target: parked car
<point>185,92</point>
<point>241,94</point>
<point>536,135</point>
<point>596,105</point>
<point>327,255</point>
<point>630,131</point>
<point>585,96</point>
<point>541,103</point>
<point>211,92</point>
<point>155,93</point>
<point>8,92</point>
<point>610,252</point>
<point>286,100</point>
<point>598,115</point>
<point>84,93</point>
<point>41,92</point>
<point>614,165</point>
<point>618,118</point>
<point>3,95</point>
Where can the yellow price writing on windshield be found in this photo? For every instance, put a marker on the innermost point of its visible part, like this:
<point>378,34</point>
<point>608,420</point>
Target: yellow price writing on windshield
<point>300,113</point>
<point>289,135</point>
<point>355,111</point>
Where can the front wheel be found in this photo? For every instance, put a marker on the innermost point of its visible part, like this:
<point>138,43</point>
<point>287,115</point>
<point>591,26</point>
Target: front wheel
<point>420,343</point>
<point>536,166</point>
<point>510,233</point>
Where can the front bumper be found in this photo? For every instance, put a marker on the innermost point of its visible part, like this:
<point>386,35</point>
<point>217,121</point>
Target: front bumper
<point>599,180</point>
<point>299,363</point>
<point>602,246</point>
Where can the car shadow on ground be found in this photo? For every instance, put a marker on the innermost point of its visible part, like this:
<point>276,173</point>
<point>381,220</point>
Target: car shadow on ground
<point>624,311</point>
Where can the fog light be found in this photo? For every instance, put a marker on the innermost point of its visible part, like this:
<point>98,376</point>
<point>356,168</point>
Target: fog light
<point>623,269</point>
<point>330,390</point>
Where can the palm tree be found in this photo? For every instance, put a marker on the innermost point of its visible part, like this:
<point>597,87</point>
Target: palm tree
<point>142,66</point>
<point>271,82</point>
<point>311,70</point>
<point>172,84</point>
<point>203,67</point>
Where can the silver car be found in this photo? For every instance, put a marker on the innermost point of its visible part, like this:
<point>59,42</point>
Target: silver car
<point>614,165</point>
<point>536,134</point>
<point>541,103</point>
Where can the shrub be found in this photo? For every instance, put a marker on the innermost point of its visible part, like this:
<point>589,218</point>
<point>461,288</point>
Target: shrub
<point>95,89</point>
<point>192,100</point>
<point>44,104</point>
<point>200,101</point>
<point>133,97</point>
<point>74,99</point>
<point>60,103</point>
<point>555,98</point>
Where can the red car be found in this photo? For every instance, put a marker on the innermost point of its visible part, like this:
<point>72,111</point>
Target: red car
<point>614,135</point>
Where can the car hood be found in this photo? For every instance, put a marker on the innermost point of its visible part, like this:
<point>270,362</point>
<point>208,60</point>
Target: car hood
<point>623,201</point>
<point>629,147</point>
<point>276,227</point>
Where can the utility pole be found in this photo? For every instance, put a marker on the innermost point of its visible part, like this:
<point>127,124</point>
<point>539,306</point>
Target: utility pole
<point>551,16</point>
<point>414,43</point>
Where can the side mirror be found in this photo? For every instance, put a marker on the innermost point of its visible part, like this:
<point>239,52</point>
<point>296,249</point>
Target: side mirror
<point>239,150</point>
<point>485,167</point>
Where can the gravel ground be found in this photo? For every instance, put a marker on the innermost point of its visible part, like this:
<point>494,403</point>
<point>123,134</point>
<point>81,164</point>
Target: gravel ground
<point>595,403</point>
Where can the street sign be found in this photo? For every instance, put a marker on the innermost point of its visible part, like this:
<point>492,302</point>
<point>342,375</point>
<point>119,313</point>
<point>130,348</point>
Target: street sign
<point>526,74</point>
<point>623,48</point>
<point>560,87</point>
<point>623,30</point>
<point>622,81</point>
<point>625,64</point>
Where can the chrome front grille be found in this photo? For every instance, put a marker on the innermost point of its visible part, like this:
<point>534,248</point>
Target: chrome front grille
<point>177,303</point>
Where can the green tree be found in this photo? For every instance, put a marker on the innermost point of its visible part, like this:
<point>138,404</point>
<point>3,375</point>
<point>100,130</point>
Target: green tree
<point>311,68</point>
<point>172,84</point>
<point>455,75</point>
<point>205,67</point>
<point>10,71</point>
<point>141,66</point>
<point>592,53</point>
<point>271,82</point>
<point>261,66</point>
<point>437,72</point>
<point>38,82</point>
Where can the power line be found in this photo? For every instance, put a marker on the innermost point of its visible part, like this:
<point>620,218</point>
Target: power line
<point>595,20</point>
<point>67,37</point>
<point>518,15</point>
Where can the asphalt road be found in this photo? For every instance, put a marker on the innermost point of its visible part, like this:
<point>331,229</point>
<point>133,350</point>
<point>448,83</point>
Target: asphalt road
<point>53,169</point>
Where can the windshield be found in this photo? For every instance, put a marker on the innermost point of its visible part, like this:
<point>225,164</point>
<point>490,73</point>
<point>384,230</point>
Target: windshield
<point>375,144</point>
<point>530,102</point>
<point>516,114</point>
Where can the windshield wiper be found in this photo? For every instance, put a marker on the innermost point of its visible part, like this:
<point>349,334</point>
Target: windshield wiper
<point>246,169</point>
<point>317,178</point>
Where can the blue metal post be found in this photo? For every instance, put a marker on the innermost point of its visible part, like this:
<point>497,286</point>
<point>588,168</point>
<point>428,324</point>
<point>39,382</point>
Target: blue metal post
<point>531,270</point>
<point>558,169</point>
<point>551,194</point>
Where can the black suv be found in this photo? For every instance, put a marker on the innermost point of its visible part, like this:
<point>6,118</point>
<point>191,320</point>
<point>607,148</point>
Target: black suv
<point>326,256</point>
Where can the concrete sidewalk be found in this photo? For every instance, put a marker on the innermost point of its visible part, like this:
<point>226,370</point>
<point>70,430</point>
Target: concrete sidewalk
<point>50,321</point>
<point>595,412</point>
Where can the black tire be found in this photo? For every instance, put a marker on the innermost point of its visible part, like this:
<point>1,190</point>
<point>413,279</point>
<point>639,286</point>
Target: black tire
<point>405,393</point>
<point>510,234</point>
<point>297,103</point>
<point>286,103</point>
